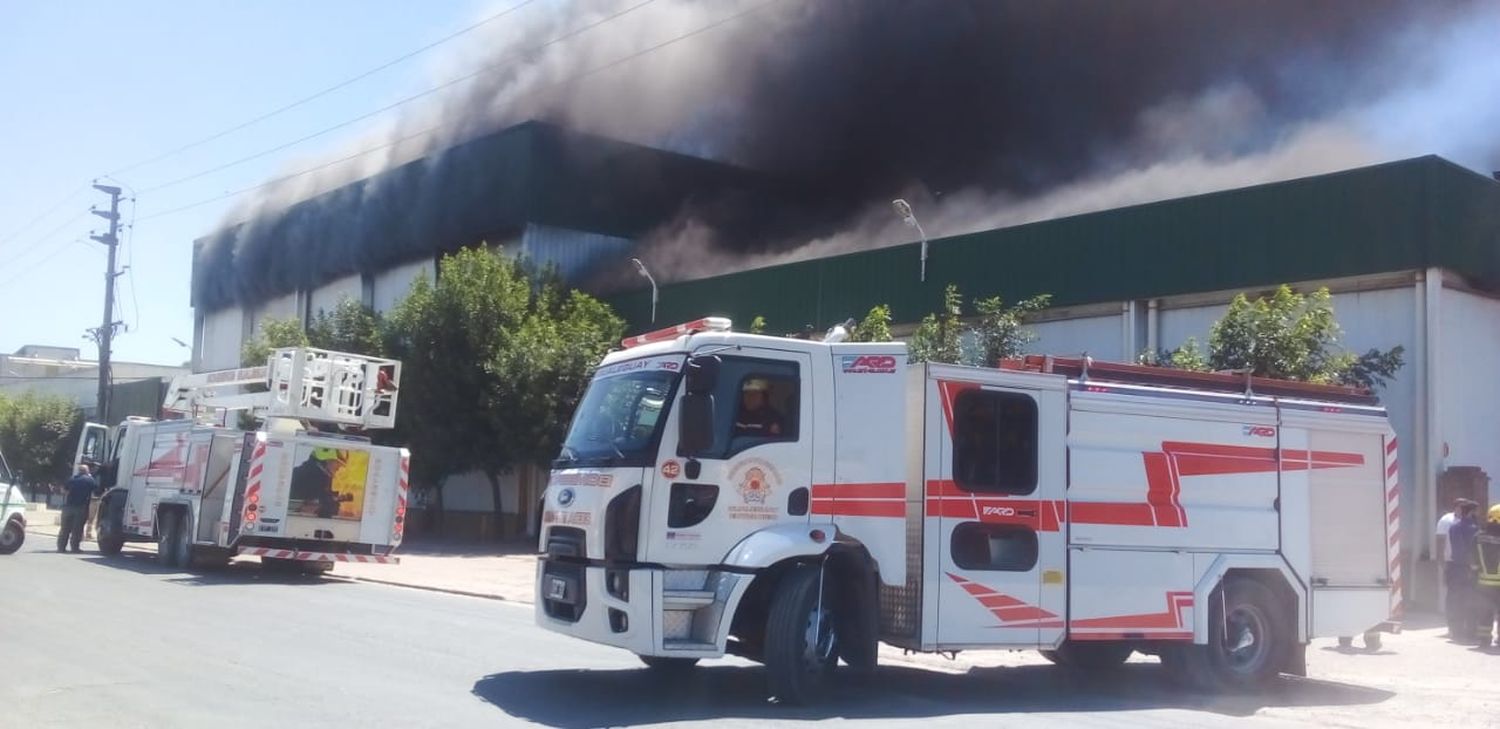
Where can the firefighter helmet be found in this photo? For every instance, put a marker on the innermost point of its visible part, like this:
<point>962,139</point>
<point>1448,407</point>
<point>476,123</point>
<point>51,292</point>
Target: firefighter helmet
<point>1494,515</point>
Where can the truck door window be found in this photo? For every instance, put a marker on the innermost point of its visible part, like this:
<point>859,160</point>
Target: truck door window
<point>1000,547</point>
<point>995,442</point>
<point>757,403</point>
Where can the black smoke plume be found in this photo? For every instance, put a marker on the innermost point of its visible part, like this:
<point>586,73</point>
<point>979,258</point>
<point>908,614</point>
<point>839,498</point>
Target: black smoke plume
<point>982,112</point>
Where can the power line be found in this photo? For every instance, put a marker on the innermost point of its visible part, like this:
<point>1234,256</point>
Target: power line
<point>43,215</point>
<point>505,62</point>
<point>37,245</point>
<point>431,129</point>
<point>323,92</point>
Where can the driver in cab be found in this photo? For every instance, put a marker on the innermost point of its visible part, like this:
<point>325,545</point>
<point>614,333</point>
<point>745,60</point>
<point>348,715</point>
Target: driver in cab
<point>756,418</point>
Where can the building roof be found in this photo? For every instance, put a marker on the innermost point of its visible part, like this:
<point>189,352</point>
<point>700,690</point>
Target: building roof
<point>1410,214</point>
<point>485,189</point>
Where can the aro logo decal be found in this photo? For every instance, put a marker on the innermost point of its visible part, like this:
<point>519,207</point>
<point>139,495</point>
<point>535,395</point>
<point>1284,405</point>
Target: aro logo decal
<point>868,364</point>
<point>1260,431</point>
<point>671,469</point>
<point>999,511</point>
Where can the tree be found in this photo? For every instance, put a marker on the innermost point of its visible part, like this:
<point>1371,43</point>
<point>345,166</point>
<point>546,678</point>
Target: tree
<point>1000,332</point>
<point>273,334</point>
<point>876,326</point>
<point>38,434</point>
<point>1189,357</point>
<point>351,327</point>
<point>495,357</point>
<point>1289,336</point>
<point>939,337</point>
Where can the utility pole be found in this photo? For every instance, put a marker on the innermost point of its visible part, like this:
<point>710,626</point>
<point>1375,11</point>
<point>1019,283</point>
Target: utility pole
<point>105,334</point>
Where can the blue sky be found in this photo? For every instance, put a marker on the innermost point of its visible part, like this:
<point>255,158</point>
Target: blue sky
<point>87,88</point>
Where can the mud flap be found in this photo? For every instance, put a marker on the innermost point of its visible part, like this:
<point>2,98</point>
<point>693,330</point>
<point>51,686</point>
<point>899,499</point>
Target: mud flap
<point>1295,663</point>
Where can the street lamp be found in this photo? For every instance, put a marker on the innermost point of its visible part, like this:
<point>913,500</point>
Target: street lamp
<point>641,267</point>
<point>903,209</point>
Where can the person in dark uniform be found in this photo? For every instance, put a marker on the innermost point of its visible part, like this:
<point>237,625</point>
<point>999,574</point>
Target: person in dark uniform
<point>312,483</point>
<point>756,418</point>
<point>75,511</point>
<point>1463,539</point>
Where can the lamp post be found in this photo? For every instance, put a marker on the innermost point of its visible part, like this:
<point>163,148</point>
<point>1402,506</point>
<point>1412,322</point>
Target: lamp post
<point>903,209</point>
<point>641,267</point>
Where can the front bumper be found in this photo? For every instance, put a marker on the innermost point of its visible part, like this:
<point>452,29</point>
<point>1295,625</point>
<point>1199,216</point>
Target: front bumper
<point>645,610</point>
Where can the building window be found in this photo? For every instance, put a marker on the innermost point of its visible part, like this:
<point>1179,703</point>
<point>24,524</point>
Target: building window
<point>995,442</point>
<point>994,547</point>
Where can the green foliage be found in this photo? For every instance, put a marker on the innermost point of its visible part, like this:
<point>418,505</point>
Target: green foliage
<point>273,334</point>
<point>939,337</point>
<point>1189,357</point>
<point>351,327</point>
<point>1288,336</point>
<point>876,326</point>
<point>495,357</point>
<point>1000,333</point>
<point>38,434</point>
<point>758,325</point>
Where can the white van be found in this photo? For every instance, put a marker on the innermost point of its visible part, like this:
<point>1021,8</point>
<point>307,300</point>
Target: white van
<point>12,511</point>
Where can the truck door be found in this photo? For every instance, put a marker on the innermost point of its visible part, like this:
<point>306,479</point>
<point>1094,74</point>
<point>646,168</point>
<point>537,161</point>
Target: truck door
<point>757,473</point>
<point>217,478</point>
<point>999,501</point>
<point>92,443</point>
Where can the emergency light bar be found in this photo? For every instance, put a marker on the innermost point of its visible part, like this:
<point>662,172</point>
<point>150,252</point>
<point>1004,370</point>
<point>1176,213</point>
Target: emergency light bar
<point>706,324</point>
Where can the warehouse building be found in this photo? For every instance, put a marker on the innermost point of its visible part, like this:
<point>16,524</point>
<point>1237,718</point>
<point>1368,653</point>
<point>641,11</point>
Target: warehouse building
<point>1409,249</point>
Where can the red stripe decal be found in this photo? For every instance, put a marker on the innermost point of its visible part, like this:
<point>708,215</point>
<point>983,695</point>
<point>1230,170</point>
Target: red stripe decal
<point>859,491</point>
<point>847,507</point>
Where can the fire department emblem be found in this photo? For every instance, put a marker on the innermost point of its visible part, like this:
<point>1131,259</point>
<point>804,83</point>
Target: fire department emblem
<point>755,488</point>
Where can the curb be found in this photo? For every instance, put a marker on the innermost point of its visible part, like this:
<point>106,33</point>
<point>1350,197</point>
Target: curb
<point>432,588</point>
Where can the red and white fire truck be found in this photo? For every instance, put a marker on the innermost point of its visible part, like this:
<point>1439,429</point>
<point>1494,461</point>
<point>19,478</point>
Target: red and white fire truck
<point>288,492</point>
<point>797,502</point>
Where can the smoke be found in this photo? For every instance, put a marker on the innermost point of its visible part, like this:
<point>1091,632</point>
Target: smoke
<point>983,113</point>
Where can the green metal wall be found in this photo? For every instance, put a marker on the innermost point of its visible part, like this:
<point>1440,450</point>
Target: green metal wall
<point>1397,216</point>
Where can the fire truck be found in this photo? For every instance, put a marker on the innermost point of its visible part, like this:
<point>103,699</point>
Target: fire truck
<point>299,491</point>
<point>798,502</point>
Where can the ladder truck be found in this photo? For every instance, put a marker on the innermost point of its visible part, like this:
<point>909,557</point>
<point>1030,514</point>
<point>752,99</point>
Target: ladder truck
<point>305,489</point>
<point>798,502</point>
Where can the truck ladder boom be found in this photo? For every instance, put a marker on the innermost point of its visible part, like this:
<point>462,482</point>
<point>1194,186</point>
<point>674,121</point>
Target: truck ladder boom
<point>301,383</point>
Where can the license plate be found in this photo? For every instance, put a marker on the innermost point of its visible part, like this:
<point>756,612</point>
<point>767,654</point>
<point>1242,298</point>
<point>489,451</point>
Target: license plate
<point>557,589</point>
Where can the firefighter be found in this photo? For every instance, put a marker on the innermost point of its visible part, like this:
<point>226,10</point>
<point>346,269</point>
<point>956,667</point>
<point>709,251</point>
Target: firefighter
<point>1487,553</point>
<point>312,483</point>
<point>756,417</point>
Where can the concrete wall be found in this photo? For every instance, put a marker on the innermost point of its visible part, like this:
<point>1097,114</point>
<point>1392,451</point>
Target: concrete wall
<point>223,332</point>
<point>392,284</point>
<point>328,296</point>
<point>1102,337</point>
<point>1468,388</point>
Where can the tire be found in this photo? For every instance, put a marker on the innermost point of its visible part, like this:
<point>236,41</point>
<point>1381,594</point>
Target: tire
<point>182,545</point>
<point>858,615</point>
<point>166,535</point>
<point>1346,641</point>
<point>1089,657</point>
<point>667,665</point>
<point>801,648</point>
<point>12,537</point>
<point>1372,641</point>
<point>1246,651</point>
<point>111,539</point>
<point>279,566</point>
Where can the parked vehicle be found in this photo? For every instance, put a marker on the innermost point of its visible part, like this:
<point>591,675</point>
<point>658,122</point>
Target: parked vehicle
<point>12,511</point>
<point>797,502</point>
<point>285,491</point>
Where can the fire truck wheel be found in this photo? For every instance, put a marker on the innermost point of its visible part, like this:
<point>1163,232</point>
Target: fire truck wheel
<point>1247,636</point>
<point>667,665</point>
<point>1372,641</point>
<point>166,539</point>
<point>1088,658</point>
<point>182,544</point>
<point>11,538</point>
<point>110,539</point>
<point>801,646</point>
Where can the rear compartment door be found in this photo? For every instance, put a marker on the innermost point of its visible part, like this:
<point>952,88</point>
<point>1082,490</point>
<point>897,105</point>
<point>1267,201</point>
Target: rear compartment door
<point>999,502</point>
<point>218,480</point>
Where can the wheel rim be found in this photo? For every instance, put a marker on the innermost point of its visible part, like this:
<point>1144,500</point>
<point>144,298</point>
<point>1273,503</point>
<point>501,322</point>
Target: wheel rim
<point>820,642</point>
<point>9,536</point>
<point>1246,639</point>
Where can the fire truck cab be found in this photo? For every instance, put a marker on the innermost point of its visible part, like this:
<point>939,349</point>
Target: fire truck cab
<point>797,502</point>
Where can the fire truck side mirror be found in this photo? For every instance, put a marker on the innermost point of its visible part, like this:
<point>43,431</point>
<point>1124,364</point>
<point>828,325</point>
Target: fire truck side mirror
<point>702,374</point>
<point>695,427</point>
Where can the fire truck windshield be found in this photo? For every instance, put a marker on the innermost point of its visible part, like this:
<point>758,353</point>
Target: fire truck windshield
<point>620,420</point>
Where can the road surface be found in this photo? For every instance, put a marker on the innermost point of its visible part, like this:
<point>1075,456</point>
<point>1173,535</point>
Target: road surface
<point>87,641</point>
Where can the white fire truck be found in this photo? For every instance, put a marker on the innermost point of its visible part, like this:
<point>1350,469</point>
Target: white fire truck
<point>292,494</point>
<point>797,502</point>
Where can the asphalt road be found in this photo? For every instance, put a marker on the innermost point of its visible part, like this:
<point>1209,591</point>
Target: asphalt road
<point>87,641</point>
